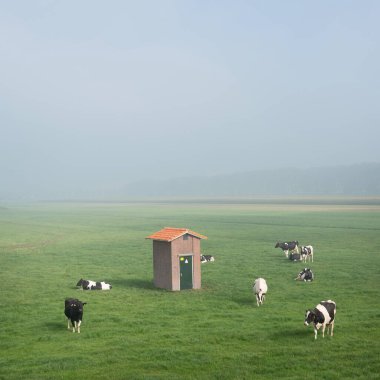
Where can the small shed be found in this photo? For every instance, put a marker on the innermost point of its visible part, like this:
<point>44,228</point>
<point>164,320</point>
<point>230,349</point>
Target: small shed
<point>177,258</point>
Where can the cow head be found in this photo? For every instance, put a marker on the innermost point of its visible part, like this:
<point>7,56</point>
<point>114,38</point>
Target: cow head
<point>277,245</point>
<point>80,282</point>
<point>260,297</point>
<point>309,317</point>
<point>85,284</point>
<point>300,274</point>
<point>305,275</point>
<point>75,304</point>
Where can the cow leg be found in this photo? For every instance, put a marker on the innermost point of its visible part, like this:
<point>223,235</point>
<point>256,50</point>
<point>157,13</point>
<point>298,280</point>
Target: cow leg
<point>332,328</point>
<point>68,324</point>
<point>257,300</point>
<point>286,253</point>
<point>323,330</point>
<point>315,333</point>
<point>76,326</point>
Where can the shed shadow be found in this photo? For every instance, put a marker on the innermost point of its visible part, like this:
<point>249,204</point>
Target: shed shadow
<point>136,283</point>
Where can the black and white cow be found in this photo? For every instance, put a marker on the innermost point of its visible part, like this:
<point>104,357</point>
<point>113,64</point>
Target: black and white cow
<point>207,258</point>
<point>321,316</point>
<point>290,246</point>
<point>74,313</point>
<point>260,289</point>
<point>93,285</point>
<point>305,275</point>
<point>307,251</point>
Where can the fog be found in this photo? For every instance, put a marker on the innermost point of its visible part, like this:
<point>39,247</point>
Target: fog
<point>95,94</point>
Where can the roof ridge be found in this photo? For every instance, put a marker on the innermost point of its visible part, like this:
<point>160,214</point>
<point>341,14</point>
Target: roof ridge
<point>172,233</point>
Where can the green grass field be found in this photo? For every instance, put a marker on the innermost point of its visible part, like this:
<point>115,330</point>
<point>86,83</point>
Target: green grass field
<point>136,331</point>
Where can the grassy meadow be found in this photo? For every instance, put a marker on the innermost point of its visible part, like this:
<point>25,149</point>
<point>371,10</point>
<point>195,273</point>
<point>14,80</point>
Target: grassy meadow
<point>136,331</point>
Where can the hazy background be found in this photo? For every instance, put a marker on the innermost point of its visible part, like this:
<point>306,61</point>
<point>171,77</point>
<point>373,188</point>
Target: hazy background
<point>95,95</point>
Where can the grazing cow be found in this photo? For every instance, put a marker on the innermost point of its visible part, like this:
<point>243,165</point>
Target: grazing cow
<point>74,313</point>
<point>305,275</point>
<point>307,252</point>
<point>93,285</point>
<point>260,289</point>
<point>323,315</point>
<point>207,258</point>
<point>290,246</point>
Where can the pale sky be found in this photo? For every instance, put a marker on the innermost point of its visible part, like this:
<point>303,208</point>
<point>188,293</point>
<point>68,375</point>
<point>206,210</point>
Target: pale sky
<point>101,93</point>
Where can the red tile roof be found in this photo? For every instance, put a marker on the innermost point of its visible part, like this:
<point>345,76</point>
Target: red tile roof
<point>171,233</point>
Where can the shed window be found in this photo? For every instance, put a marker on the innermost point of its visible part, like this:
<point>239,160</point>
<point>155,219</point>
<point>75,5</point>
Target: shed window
<point>186,237</point>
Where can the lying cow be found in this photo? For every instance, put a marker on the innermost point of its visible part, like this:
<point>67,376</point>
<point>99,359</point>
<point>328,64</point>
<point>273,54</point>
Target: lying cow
<point>93,285</point>
<point>260,289</point>
<point>323,315</point>
<point>294,256</point>
<point>207,258</point>
<point>305,275</point>
<point>307,252</point>
<point>290,246</point>
<point>74,313</point>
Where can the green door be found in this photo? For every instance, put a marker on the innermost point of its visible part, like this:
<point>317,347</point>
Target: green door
<point>186,272</point>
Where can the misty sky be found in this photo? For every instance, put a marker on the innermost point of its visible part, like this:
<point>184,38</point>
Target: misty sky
<point>101,93</point>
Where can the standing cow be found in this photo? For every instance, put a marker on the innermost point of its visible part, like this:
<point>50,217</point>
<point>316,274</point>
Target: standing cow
<point>290,246</point>
<point>321,316</point>
<point>260,289</point>
<point>74,313</point>
<point>307,251</point>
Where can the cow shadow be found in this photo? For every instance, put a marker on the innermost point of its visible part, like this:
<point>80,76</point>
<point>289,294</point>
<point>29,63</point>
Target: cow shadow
<point>294,332</point>
<point>245,301</point>
<point>136,283</point>
<point>54,325</point>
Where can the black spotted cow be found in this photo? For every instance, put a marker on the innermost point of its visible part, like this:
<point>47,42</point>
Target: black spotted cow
<point>321,316</point>
<point>307,252</point>
<point>74,313</point>
<point>306,274</point>
<point>93,285</point>
<point>260,289</point>
<point>207,258</point>
<point>290,246</point>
